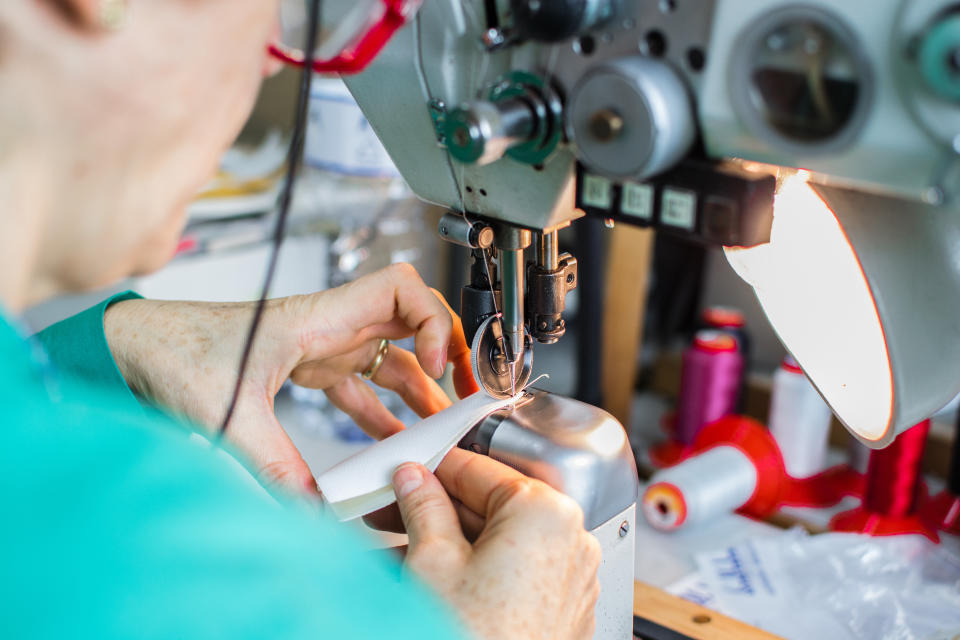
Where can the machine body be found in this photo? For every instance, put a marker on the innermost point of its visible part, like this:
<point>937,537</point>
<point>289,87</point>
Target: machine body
<point>583,452</point>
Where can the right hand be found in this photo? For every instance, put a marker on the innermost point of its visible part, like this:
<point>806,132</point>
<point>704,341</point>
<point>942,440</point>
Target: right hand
<point>531,572</point>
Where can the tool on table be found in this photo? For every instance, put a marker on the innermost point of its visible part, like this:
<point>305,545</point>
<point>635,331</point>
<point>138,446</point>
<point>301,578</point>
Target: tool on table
<point>644,629</point>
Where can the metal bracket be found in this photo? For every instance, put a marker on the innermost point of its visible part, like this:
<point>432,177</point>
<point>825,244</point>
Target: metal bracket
<point>546,299</point>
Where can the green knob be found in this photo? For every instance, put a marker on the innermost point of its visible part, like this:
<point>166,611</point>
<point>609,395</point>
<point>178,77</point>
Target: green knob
<point>465,140</point>
<point>940,58</point>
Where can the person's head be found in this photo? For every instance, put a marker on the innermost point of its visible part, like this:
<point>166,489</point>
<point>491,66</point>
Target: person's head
<point>111,131</point>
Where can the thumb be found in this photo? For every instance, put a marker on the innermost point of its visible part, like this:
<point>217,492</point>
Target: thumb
<point>429,517</point>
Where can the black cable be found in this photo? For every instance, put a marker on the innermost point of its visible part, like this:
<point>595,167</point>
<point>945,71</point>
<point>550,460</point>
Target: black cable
<point>286,196</point>
<point>644,629</point>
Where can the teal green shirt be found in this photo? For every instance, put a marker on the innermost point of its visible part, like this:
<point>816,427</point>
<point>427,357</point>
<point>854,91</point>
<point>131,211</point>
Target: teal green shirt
<point>116,524</point>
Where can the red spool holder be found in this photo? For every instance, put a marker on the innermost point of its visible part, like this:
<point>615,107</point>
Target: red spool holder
<point>893,492</point>
<point>671,451</point>
<point>862,520</point>
<point>824,489</point>
<point>668,453</point>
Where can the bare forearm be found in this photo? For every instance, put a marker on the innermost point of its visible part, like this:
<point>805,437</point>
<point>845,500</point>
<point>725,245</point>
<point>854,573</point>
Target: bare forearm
<point>163,350</point>
<point>123,327</point>
<point>185,357</point>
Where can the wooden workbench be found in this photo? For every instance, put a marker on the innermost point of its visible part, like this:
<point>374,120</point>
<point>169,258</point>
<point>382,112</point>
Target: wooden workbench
<point>690,619</point>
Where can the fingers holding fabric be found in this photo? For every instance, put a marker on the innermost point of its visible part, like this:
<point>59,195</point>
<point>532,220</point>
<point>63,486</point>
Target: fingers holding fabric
<point>401,373</point>
<point>474,479</point>
<point>388,303</point>
<point>416,304</point>
<point>389,519</point>
<point>398,370</point>
<point>458,353</point>
<point>358,400</point>
<point>436,539</point>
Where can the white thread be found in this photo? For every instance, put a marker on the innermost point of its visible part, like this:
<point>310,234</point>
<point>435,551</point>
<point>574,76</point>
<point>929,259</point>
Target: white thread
<point>536,380</point>
<point>799,422</point>
<point>705,486</point>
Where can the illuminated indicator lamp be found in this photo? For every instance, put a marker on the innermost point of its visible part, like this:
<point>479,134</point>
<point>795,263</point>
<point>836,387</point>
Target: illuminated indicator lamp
<point>864,292</point>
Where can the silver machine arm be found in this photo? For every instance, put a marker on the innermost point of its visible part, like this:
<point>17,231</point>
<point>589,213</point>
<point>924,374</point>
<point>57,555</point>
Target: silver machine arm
<point>521,116</point>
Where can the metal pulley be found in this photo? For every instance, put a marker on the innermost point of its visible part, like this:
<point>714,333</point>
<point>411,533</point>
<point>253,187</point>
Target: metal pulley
<point>631,118</point>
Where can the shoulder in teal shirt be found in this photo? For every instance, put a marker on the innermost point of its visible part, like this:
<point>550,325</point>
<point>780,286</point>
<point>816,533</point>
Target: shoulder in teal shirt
<point>117,524</point>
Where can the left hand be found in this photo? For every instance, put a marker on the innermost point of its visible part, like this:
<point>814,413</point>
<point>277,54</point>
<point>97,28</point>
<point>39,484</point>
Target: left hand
<point>185,357</point>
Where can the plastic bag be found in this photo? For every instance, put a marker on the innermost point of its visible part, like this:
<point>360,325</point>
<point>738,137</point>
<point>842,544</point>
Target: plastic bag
<point>838,586</point>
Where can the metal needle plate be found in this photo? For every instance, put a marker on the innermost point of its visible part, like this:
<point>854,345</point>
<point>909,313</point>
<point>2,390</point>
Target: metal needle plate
<point>490,367</point>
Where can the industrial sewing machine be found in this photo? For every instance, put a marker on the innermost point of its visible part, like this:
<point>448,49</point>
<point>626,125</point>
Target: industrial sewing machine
<point>521,116</point>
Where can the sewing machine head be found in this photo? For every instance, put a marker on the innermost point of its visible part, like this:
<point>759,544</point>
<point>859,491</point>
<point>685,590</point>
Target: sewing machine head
<point>523,115</point>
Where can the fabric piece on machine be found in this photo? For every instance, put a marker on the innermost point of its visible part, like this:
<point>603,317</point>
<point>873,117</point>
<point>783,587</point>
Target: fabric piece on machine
<point>364,482</point>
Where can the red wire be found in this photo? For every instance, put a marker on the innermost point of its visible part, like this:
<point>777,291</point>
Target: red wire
<point>893,475</point>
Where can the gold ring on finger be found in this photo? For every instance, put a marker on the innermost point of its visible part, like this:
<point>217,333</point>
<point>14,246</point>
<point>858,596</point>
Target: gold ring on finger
<point>377,360</point>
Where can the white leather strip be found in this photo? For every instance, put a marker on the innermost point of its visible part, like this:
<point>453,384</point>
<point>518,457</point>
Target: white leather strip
<point>363,483</point>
